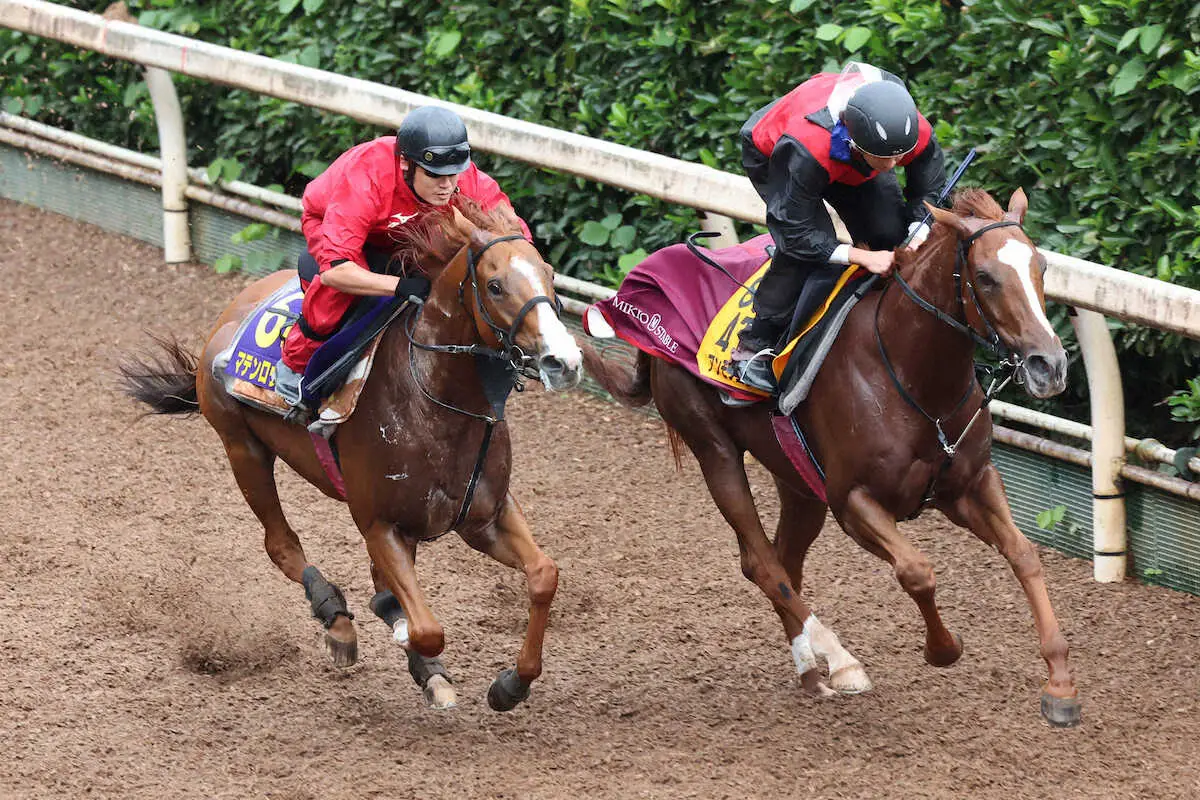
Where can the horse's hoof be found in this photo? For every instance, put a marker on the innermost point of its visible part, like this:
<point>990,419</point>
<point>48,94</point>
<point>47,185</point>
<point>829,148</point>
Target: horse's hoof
<point>945,656</point>
<point>850,679</point>
<point>343,654</point>
<point>813,685</point>
<point>439,694</point>
<point>1062,712</point>
<point>507,691</point>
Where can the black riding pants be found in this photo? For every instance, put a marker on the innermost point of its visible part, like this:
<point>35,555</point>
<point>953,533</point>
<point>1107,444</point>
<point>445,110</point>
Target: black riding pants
<point>793,289</point>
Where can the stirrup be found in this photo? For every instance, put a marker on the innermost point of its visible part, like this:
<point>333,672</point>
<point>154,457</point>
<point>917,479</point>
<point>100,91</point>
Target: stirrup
<point>756,371</point>
<point>298,414</point>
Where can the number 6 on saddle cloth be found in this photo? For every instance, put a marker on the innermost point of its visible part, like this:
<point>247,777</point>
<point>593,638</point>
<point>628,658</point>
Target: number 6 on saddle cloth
<point>247,367</point>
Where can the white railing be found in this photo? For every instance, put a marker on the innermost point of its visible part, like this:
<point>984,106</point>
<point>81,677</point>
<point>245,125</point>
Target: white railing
<point>1093,289</point>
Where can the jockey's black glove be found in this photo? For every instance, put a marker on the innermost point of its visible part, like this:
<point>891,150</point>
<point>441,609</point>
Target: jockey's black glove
<point>417,285</point>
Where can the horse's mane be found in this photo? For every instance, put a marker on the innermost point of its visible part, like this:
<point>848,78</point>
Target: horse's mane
<point>967,203</point>
<point>434,240</point>
<point>977,203</point>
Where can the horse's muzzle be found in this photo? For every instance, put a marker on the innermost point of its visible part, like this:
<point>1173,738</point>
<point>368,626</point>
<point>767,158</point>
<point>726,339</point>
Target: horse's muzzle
<point>1045,374</point>
<point>557,374</point>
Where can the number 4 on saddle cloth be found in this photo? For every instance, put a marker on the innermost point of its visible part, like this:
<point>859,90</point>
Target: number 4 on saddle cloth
<point>675,307</point>
<point>336,373</point>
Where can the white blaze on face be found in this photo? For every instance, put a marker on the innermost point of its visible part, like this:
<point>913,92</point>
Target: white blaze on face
<point>557,341</point>
<point>1019,256</point>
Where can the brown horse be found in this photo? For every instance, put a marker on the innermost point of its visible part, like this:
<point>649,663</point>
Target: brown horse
<point>890,419</point>
<point>423,432</point>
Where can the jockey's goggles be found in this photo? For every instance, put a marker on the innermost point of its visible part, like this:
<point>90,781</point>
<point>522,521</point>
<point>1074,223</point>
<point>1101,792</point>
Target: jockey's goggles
<point>437,159</point>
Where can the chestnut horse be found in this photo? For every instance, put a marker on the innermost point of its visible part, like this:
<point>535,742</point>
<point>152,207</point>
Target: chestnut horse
<point>896,419</point>
<point>425,429</point>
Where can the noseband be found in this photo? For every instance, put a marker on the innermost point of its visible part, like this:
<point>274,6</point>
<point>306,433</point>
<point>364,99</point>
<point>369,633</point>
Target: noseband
<point>1010,362</point>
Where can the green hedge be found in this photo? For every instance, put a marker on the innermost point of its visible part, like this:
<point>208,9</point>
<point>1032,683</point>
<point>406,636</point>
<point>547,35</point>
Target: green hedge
<point>1092,108</point>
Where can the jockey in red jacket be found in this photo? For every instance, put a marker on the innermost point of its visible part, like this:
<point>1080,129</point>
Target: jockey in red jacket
<point>355,211</point>
<point>834,138</point>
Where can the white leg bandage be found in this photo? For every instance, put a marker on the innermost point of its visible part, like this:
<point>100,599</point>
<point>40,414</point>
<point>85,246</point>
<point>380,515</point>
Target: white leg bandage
<point>802,650</point>
<point>400,632</point>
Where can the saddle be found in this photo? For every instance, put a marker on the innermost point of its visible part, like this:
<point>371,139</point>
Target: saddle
<point>676,307</point>
<point>335,374</point>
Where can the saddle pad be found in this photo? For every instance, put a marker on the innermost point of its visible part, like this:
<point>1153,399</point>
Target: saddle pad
<point>334,410</point>
<point>676,307</point>
<point>258,342</point>
<point>247,367</point>
<point>666,306</point>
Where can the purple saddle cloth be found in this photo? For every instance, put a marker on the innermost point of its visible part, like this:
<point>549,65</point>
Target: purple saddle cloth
<point>259,342</point>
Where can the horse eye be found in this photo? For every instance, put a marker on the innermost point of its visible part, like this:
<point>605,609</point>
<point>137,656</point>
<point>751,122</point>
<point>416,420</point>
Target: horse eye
<point>495,288</point>
<point>985,280</point>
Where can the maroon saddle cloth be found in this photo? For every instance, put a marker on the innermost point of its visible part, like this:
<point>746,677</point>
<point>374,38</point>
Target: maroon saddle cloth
<point>676,307</point>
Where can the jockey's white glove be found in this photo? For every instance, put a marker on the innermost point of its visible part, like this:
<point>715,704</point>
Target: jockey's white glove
<point>919,232</point>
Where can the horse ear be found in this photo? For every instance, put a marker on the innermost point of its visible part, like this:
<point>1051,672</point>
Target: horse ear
<point>950,219</point>
<point>1018,204</point>
<point>479,238</point>
<point>464,226</point>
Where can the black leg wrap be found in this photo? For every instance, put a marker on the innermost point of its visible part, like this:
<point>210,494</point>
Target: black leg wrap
<point>507,691</point>
<point>326,599</point>
<point>422,668</point>
<point>387,607</point>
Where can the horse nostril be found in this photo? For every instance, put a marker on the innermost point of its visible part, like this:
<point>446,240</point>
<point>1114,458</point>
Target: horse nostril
<point>1038,367</point>
<point>1046,373</point>
<point>552,365</point>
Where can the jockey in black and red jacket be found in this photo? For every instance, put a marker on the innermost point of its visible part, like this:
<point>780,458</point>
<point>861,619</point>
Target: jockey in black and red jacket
<point>835,138</point>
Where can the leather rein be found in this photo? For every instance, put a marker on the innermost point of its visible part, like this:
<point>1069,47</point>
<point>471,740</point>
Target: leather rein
<point>1008,369</point>
<point>502,368</point>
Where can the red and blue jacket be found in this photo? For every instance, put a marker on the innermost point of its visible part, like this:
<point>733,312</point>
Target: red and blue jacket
<point>796,134</point>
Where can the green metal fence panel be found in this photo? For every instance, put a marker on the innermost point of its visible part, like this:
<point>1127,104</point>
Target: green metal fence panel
<point>1164,538</point>
<point>133,209</point>
<point>106,201</point>
<point>1164,530</point>
<point>1034,484</point>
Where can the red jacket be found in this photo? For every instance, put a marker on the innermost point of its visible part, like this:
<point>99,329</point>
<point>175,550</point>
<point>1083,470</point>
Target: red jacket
<point>362,197</point>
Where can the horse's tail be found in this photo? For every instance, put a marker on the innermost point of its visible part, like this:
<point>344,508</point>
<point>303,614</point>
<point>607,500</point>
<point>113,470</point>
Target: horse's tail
<point>630,387</point>
<point>166,382</point>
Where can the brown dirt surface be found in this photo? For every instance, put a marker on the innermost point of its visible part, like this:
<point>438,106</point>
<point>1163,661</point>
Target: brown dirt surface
<point>151,650</point>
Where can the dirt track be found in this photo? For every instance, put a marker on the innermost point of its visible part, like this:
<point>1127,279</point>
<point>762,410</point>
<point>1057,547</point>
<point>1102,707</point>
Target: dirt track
<point>150,649</point>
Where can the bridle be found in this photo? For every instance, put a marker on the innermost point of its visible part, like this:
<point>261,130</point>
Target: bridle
<point>1008,368</point>
<point>507,338</point>
<point>509,352</point>
<point>501,369</point>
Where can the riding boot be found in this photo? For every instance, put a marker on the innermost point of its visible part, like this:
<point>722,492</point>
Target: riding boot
<point>751,360</point>
<point>756,371</point>
<point>287,386</point>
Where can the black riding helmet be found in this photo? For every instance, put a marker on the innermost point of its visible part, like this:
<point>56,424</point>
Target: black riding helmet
<point>436,139</point>
<point>881,118</point>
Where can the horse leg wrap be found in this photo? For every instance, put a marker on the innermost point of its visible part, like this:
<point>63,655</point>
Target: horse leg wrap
<point>507,691</point>
<point>326,599</point>
<point>387,607</point>
<point>422,668</point>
